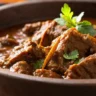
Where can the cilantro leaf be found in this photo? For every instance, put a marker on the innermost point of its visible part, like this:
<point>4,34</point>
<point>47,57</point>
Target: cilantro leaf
<point>67,18</point>
<point>80,60</point>
<point>60,21</point>
<point>71,56</point>
<point>86,29</point>
<point>66,10</point>
<point>77,61</point>
<point>38,64</point>
<point>85,22</point>
<point>67,15</point>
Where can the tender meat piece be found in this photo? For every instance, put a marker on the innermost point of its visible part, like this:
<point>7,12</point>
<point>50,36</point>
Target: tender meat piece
<point>29,29</point>
<point>46,73</point>
<point>21,67</point>
<point>72,40</point>
<point>7,41</point>
<point>20,37</point>
<point>4,53</point>
<point>4,49</point>
<point>84,70</point>
<point>53,30</point>
<point>27,51</point>
<point>6,45</point>
<point>56,64</point>
<point>40,33</point>
<point>3,57</point>
<point>56,30</point>
<point>48,31</point>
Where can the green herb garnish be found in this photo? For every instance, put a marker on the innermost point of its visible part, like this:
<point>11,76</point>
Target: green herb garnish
<point>38,64</point>
<point>67,18</point>
<point>85,27</point>
<point>77,61</point>
<point>71,56</point>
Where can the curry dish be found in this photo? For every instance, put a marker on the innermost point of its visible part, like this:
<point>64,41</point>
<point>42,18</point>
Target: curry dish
<point>47,49</point>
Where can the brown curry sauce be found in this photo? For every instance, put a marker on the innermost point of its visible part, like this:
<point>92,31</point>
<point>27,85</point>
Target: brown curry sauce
<point>20,49</point>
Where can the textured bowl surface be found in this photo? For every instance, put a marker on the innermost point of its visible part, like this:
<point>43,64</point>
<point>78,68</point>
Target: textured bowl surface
<point>12,84</point>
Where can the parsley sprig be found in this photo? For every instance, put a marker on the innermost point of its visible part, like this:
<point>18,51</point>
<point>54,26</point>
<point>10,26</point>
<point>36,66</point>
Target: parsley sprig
<point>38,64</point>
<point>67,18</point>
<point>72,55</point>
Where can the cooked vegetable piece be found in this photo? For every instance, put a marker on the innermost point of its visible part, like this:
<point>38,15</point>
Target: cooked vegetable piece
<point>51,52</point>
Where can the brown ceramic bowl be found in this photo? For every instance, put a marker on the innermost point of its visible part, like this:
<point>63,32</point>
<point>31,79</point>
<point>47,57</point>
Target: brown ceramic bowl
<point>13,84</point>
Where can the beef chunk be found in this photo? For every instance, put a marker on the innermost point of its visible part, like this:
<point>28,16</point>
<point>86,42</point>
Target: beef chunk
<point>56,64</point>
<point>2,58</point>
<point>53,30</point>
<point>86,69</point>
<point>6,45</point>
<point>48,31</point>
<point>56,30</point>
<point>72,40</point>
<point>20,37</point>
<point>29,29</point>
<point>4,53</point>
<point>40,33</point>
<point>46,73</point>
<point>27,51</point>
<point>21,67</point>
<point>7,41</point>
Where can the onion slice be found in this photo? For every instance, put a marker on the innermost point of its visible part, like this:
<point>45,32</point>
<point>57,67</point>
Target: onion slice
<point>51,52</point>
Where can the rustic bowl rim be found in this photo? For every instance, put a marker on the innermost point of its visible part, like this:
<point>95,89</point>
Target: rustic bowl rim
<point>40,1</point>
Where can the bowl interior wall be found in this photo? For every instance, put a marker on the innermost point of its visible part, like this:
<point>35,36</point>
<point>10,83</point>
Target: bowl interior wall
<point>31,12</point>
